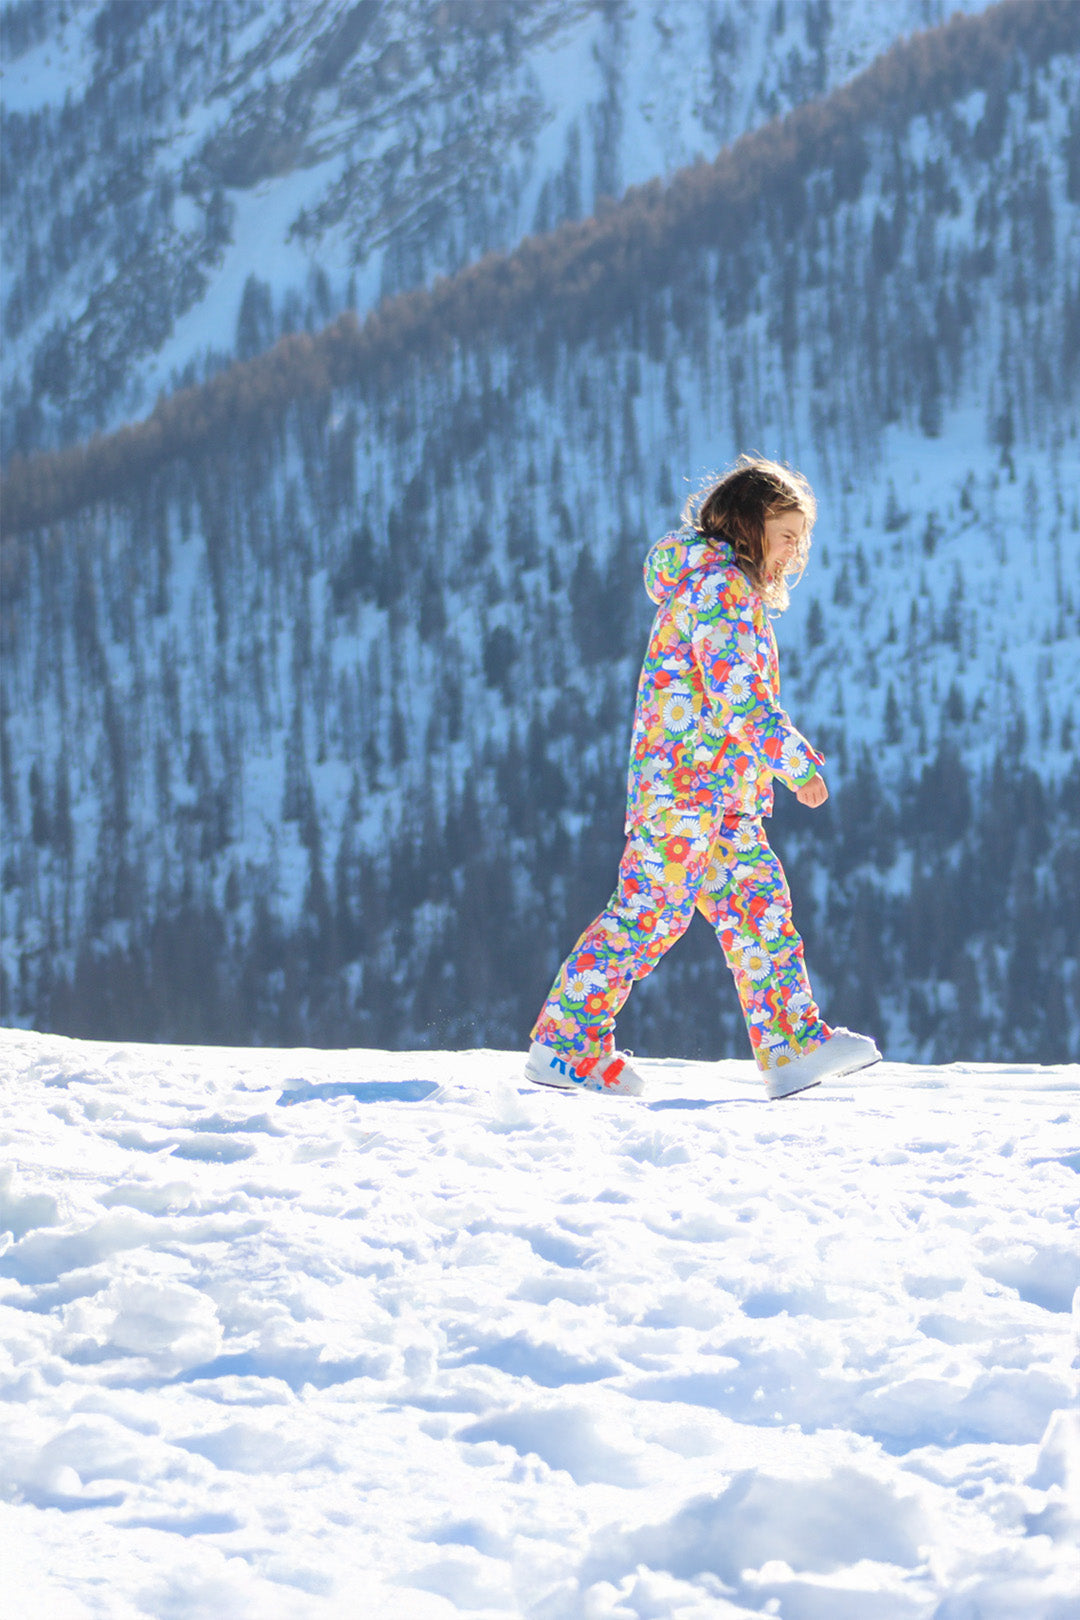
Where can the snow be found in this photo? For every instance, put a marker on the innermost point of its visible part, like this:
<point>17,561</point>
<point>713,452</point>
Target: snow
<point>59,66</point>
<point>306,1333</point>
<point>650,83</point>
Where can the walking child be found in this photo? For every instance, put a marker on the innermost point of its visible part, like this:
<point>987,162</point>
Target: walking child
<point>709,737</point>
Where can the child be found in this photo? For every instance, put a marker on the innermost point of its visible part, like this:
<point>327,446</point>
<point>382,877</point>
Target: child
<point>709,737</point>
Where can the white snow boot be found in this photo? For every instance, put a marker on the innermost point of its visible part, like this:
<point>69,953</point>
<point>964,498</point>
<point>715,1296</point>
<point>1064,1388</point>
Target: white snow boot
<point>590,1072</point>
<point>842,1053</point>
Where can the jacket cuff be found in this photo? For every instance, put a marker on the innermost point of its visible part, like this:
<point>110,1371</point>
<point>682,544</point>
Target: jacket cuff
<point>798,763</point>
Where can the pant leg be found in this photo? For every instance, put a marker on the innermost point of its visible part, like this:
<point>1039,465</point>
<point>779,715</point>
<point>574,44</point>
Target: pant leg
<point>662,867</point>
<point>745,898</point>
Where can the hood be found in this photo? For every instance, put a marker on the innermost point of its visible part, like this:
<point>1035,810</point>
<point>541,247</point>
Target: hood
<point>677,555</point>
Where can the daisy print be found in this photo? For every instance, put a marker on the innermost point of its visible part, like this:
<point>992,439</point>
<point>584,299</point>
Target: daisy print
<point>745,838</point>
<point>709,591</point>
<point>756,961</point>
<point>795,763</point>
<point>778,1051</point>
<point>738,688</point>
<point>585,983</point>
<point>652,864</point>
<point>678,712</point>
<point>688,828</point>
<point>715,877</point>
<point>772,922</point>
<point>741,944</point>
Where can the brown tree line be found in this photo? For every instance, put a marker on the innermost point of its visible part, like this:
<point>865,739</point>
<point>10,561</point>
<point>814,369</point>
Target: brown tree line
<point>571,278</point>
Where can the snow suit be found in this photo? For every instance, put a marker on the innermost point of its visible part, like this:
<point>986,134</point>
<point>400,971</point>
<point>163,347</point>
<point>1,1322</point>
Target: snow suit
<point>709,735</point>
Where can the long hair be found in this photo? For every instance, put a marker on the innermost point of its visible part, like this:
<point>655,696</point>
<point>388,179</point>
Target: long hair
<point>735,508</point>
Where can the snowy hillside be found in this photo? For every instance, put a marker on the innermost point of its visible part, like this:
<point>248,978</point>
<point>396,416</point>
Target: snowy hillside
<point>303,1334</point>
<point>184,180</point>
<point>317,732</point>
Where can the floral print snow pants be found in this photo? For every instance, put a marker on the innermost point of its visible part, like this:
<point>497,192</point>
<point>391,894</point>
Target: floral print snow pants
<point>670,865</point>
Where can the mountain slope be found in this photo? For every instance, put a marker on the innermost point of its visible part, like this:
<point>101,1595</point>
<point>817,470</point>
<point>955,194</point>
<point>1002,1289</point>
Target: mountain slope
<point>319,732</point>
<point>183,181</point>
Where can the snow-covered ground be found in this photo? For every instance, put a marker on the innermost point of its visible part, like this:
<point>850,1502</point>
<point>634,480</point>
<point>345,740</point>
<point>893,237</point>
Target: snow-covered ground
<point>386,1334</point>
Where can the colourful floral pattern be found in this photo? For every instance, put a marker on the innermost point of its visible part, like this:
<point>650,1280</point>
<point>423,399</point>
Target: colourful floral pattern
<point>709,737</point>
<point>670,865</point>
<point>709,733</point>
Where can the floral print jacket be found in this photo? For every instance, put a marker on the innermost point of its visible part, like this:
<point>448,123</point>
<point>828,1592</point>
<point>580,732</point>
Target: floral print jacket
<point>709,733</point>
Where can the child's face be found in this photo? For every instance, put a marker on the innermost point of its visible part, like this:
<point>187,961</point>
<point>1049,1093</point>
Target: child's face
<point>782,535</point>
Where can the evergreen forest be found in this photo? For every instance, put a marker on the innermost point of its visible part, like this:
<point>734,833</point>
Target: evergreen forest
<point>318,679</point>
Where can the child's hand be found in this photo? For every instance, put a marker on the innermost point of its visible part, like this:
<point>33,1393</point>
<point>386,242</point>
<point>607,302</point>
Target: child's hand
<point>814,793</point>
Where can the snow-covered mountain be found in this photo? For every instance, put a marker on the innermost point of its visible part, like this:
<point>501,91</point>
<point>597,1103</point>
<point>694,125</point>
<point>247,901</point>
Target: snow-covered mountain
<point>184,180</point>
<point>301,1335</point>
<point>316,731</point>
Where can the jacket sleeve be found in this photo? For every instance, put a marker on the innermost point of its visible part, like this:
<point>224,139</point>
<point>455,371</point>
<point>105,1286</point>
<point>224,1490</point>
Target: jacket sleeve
<point>734,688</point>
